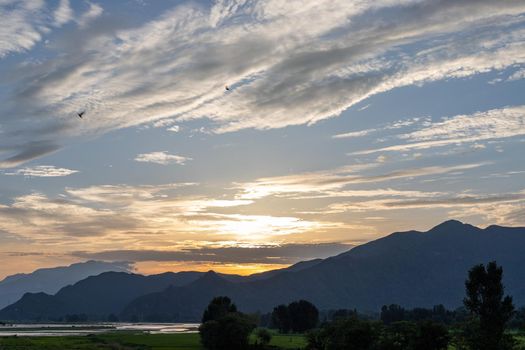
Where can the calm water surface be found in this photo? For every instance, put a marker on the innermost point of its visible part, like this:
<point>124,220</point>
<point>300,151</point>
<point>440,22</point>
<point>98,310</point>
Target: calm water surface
<point>60,329</point>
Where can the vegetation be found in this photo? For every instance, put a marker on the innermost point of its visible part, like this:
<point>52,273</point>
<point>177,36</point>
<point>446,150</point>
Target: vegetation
<point>218,307</point>
<point>224,328</point>
<point>490,310</point>
<point>297,317</point>
<point>262,337</point>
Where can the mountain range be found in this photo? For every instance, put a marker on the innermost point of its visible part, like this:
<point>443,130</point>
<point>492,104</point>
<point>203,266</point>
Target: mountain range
<point>413,269</point>
<point>50,280</point>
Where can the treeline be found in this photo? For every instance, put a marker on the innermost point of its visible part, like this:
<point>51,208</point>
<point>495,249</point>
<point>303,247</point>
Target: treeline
<point>481,324</point>
<point>488,315</point>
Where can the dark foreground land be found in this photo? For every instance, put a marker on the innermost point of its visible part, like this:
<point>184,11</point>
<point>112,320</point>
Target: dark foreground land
<point>144,341</point>
<point>129,341</point>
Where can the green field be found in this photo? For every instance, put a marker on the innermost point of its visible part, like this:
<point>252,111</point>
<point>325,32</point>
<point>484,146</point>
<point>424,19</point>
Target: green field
<point>141,341</point>
<point>128,341</point>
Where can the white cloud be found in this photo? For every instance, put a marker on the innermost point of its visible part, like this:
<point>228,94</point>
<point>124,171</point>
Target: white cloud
<point>174,128</point>
<point>93,12</point>
<point>330,183</point>
<point>354,134</point>
<point>517,75</point>
<point>473,128</point>
<point>21,25</point>
<point>289,63</point>
<point>43,171</point>
<point>63,13</point>
<point>163,158</point>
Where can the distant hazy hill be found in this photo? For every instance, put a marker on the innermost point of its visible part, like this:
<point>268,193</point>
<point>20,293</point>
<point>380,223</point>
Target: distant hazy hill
<point>408,268</point>
<point>96,296</point>
<point>50,280</point>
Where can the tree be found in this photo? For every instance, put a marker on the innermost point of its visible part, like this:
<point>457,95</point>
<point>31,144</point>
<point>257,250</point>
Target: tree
<point>303,315</point>
<point>343,334</point>
<point>431,336</point>
<point>281,318</point>
<point>490,310</point>
<point>398,336</point>
<point>392,313</point>
<point>229,332</point>
<point>263,337</point>
<point>223,327</point>
<point>218,307</point>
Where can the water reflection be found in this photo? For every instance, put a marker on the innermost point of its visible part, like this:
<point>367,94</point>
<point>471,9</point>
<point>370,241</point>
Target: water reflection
<point>55,329</point>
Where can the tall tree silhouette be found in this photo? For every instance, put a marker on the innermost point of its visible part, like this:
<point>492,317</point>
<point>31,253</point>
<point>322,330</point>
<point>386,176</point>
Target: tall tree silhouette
<point>490,309</point>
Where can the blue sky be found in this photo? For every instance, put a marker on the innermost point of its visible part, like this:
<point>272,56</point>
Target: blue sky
<point>344,121</point>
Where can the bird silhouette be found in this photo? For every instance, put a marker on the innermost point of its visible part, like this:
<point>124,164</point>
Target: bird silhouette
<point>81,114</point>
<point>227,88</point>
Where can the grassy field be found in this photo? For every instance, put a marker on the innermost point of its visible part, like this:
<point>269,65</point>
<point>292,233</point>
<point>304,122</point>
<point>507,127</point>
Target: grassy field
<point>128,341</point>
<point>141,341</point>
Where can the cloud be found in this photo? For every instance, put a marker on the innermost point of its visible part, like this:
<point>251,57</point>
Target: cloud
<point>269,254</point>
<point>20,28</point>
<point>151,216</point>
<point>329,183</point>
<point>28,152</point>
<point>517,75</point>
<point>287,63</point>
<point>398,124</point>
<point>43,171</point>
<point>92,13</point>
<point>354,134</point>
<point>163,158</point>
<point>440,201</point>
<point>63,13</point>
<point>474,128</point>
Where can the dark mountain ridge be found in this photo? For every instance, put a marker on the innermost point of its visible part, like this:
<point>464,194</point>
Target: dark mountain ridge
<point>407,268</point>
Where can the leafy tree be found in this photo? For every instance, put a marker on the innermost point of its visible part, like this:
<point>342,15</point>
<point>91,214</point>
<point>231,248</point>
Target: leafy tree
<point>431,336</point>
<point>263,337</point>
<point>490,310</point>
<point>398,336</point>
<point>344,334</point>
<point>218,307</point>
<point>229,332</point>
<point>303,315</point>
<point>281,318</point>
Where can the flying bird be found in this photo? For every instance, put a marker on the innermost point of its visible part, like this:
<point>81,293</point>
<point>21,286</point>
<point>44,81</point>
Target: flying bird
<point>81,114</point>
<point>227,88</point>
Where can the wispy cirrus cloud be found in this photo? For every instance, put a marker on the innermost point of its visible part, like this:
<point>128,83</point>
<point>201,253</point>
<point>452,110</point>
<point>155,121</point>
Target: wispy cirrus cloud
<point>474,128</point>
<point>324,57</point>
<point>43,171</point>
<point>162,158</point>
<point>330,183</point>
<point>445,200</point>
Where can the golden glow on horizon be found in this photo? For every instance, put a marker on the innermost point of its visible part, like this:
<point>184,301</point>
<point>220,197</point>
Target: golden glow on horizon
<point>150,268</point>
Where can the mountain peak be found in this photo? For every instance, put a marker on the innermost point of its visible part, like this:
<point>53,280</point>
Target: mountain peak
<point>450,225</point>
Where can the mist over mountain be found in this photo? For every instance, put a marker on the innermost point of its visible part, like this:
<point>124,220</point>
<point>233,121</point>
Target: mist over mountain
<point>51,280</point>
<point>407,268</point>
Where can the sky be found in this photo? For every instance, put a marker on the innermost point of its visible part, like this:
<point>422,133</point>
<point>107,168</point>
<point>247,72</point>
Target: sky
<point>343,121</point>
